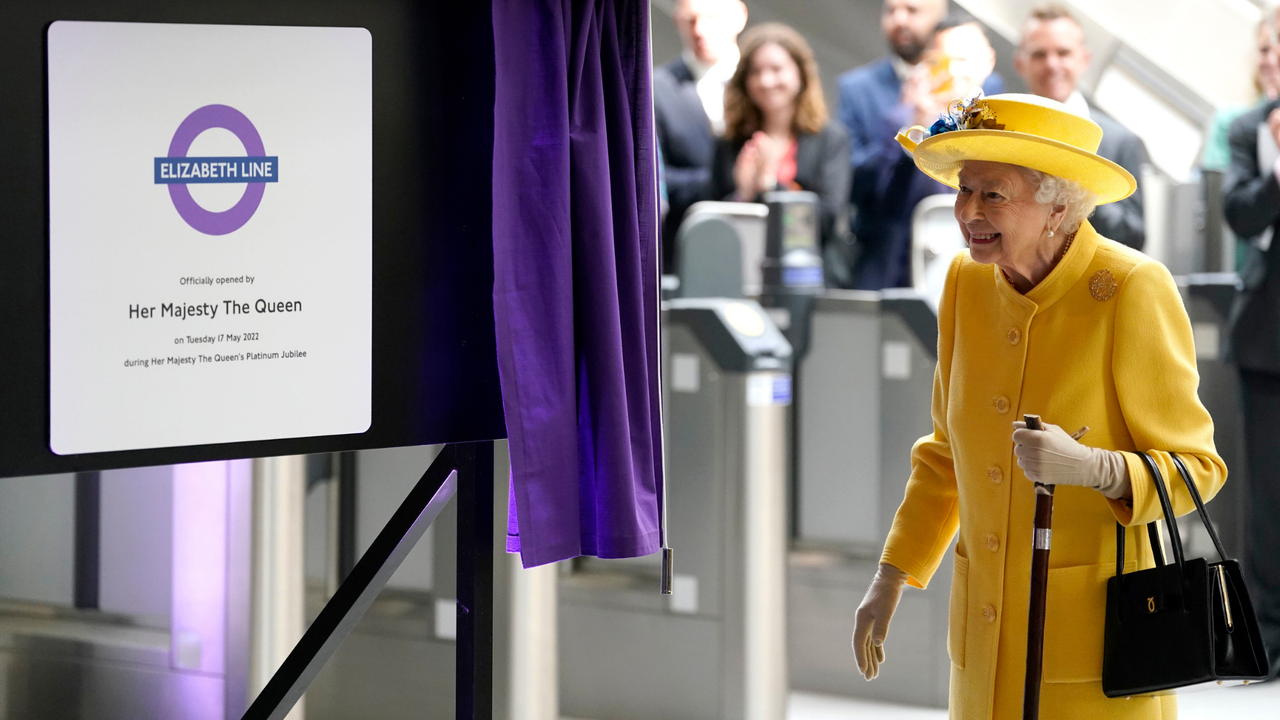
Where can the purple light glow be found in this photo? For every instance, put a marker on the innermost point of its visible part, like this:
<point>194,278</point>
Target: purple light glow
<point>200,541</point>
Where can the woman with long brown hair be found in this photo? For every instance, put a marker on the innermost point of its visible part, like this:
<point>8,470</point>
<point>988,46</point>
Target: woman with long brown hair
<point>777,134</point>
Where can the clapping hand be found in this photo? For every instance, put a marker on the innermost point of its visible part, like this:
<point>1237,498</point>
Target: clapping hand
<point>756,168</point>
<point>919,93</point>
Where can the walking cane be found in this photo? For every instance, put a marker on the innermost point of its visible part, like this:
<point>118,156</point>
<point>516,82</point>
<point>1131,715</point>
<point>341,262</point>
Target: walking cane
<point>1039,586</point>
<point>1039,590</point>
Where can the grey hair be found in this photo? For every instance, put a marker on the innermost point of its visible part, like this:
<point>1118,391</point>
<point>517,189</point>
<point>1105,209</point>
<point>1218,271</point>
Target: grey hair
<point>1052,190</point>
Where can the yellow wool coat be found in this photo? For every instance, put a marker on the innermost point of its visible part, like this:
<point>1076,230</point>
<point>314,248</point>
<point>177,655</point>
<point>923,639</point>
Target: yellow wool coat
<point>1103,341</point>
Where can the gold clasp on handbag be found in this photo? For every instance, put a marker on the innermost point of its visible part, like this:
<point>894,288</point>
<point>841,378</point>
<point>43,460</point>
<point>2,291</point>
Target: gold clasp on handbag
<point>1222,587</point>
<point>1151,604</point>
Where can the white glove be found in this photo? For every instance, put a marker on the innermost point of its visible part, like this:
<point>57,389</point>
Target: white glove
<point>1053,457</point>
<point>874,613</point>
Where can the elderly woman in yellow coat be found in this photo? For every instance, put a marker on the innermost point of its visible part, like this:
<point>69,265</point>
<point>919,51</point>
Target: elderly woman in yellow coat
<point>1041,315</point>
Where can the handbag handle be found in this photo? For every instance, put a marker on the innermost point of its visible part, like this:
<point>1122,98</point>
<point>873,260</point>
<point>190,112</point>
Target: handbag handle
<point>1153,539</point>
<point>1166,504</point>
<point>1204,513</point>
<point>1175,540</point>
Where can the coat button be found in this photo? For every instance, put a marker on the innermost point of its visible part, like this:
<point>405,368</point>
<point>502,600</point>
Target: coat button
<point>995,474</point>
<point>1002,404</point>
<point>993,543</point>
<point>1015,336</point>
<point>989,612</point>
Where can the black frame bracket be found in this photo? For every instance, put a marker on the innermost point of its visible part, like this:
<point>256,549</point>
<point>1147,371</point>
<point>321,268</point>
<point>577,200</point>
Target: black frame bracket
<point>462,468</point>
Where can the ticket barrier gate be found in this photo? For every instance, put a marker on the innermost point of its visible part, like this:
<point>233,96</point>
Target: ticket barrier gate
<point>864,386</point>
<point>1208,298</point>
<point>769,251</point>
<point>865,400</point>
<point>716,648</point>
<point>721,249</point>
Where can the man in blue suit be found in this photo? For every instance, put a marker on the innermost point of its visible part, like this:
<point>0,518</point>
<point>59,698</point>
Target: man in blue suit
<point>876,101</point>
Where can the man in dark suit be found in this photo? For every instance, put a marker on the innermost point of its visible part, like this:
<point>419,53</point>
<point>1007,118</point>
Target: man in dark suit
<point>688,103</point>
<point>1052,57</point>
<point>1252,208</point>
<point>876,101</point>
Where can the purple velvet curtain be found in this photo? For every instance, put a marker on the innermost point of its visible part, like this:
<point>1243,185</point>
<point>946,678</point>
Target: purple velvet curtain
<point>576,276</point>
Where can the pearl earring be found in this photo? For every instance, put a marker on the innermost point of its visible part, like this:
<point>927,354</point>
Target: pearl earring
<point>1050,233</point>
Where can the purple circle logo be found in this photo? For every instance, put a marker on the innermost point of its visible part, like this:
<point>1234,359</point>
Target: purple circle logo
<point>255,170</point>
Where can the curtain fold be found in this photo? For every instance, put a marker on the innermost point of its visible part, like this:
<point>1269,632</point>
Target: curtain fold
<point>576,276</point>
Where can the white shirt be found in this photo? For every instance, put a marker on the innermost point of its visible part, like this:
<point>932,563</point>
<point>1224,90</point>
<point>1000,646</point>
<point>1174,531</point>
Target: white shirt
<point>710,82</point>
<point>901,68</point>
<point>1078,105</point>
<point>1268,151</point>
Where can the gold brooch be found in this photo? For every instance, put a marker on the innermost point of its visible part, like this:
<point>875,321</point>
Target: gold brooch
<point>1103,285</point>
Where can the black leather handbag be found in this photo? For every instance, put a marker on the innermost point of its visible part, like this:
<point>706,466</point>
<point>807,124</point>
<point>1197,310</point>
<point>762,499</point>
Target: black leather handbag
<point>1180,624</point>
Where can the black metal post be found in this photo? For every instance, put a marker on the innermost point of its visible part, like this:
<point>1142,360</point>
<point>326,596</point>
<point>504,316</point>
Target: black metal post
<point>469,466</point>
<point>475,582</point>
<point>86,536</point>
<point>346,514</point>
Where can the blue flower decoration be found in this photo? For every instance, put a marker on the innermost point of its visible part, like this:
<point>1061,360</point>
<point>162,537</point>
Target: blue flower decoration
<point>944,124</point>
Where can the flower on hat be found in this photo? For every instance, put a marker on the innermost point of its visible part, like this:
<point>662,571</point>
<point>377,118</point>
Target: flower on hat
<point>970,113</point>
<point>944,124</point>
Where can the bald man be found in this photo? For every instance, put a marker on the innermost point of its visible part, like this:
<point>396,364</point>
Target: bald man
<point>878,100</point>
<point>1052,58</point>
<point>688,100</point>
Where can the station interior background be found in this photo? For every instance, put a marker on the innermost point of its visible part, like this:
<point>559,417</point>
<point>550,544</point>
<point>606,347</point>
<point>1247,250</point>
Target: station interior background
<point>563,649</point>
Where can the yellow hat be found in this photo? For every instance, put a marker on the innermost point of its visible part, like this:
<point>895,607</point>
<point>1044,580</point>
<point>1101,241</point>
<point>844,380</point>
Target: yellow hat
<point>1018,129</point>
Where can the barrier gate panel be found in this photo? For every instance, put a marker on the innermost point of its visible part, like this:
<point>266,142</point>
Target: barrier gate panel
<point>715,648</point>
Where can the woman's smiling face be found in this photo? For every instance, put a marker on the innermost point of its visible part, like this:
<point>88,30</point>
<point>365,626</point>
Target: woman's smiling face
<point>773,83</point>
<point>998,213</point>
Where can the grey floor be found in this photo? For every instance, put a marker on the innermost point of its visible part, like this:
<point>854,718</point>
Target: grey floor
<point>1255,702</point>
<point>46,665</point>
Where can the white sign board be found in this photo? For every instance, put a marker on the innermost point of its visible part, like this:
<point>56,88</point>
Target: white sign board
<point>210,234</point>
